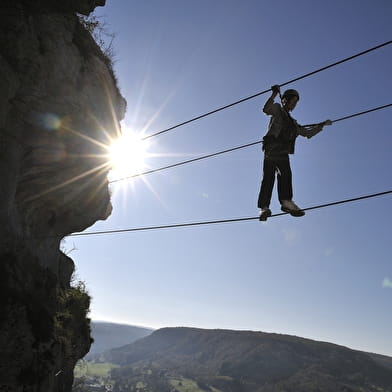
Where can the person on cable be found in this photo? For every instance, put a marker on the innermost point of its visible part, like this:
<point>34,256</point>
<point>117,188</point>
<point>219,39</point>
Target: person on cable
<point>278,143</point>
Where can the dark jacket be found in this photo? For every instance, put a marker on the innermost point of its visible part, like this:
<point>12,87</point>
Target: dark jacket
<point>283,130</point>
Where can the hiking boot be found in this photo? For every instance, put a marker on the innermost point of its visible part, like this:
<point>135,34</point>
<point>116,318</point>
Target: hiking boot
<point>264,214</point>
<point>290,207</point>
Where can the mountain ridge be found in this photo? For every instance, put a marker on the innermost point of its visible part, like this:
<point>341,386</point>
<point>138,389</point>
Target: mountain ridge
<point>108,335</point>
<point>245,361</point>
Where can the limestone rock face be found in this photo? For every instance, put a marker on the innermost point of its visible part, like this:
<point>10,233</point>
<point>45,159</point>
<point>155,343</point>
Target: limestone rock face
<point>59,107</point>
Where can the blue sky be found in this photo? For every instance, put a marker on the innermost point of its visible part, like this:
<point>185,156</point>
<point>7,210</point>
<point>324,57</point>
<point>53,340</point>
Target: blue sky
<point>327,276</point>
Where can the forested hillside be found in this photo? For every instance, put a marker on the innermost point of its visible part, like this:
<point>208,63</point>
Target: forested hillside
<point>243,361</point>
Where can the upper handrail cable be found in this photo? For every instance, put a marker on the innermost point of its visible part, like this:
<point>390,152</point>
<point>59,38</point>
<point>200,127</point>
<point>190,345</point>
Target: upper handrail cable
<point>265,91</point>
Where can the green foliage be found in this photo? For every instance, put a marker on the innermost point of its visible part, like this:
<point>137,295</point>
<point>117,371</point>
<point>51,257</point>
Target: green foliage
<point>99,30</point>
<point>188,385</point>
<point>139,379</point>
<point>76,300</point>
<point>73,308</point>
<point>91,369</point>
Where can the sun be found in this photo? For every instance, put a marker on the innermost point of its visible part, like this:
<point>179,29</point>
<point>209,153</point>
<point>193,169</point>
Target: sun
<point>127,155</point>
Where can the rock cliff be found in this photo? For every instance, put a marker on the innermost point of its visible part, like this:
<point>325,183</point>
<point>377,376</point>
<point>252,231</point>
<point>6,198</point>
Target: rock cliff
<point>59,103</point>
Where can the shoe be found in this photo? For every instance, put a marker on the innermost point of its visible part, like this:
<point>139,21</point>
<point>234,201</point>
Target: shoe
<point>264,214</point>
<point>290,207</point>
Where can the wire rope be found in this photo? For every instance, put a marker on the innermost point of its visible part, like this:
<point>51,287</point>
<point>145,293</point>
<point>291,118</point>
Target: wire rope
<point>211,222</point>
<point>234,148</point>
<point>265,91</point>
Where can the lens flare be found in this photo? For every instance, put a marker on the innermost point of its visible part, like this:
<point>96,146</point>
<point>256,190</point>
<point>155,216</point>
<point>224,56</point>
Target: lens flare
<point>127,155</point>
<point>51,121</point>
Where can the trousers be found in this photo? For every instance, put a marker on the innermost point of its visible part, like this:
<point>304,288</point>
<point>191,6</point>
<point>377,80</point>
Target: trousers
<point>272,165</point>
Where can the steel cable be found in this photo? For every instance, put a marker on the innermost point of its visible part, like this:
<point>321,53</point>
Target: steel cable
<point>176,225</point>
<point>235,148</point>
<point>265,91</point>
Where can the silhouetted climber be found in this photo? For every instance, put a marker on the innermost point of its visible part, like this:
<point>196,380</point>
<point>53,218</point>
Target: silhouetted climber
<point>278,143</point>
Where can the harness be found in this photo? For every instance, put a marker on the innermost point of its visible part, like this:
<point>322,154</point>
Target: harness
<point>285,142</point>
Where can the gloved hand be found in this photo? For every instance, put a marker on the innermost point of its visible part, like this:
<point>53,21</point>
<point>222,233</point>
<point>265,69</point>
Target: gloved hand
<point>275,89</point>
<point>327,122</point>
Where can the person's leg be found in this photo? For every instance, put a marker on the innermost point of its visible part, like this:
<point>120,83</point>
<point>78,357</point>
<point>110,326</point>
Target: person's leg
<point>285,186</point>
<point>267,184</point>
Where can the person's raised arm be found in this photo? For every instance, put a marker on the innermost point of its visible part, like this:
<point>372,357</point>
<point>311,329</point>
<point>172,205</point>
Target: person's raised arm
<point>268,107</point>
<point>313,130</point>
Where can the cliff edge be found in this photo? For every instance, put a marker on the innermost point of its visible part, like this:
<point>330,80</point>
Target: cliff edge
<point>59,103</point>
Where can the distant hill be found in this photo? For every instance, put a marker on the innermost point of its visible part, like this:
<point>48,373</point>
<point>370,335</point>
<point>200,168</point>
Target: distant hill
<point>382,359</point>
<point>244,361</point>
<point>110,335</point>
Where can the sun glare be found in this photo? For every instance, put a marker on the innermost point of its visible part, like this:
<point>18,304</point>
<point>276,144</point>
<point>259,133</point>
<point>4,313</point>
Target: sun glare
<point>127,156</point>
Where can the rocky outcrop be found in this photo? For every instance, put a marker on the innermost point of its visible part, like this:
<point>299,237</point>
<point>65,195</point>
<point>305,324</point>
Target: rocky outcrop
<point>59,107</point>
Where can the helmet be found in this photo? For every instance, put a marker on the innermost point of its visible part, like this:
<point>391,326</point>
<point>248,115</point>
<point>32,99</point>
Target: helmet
<point>290,93</point>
